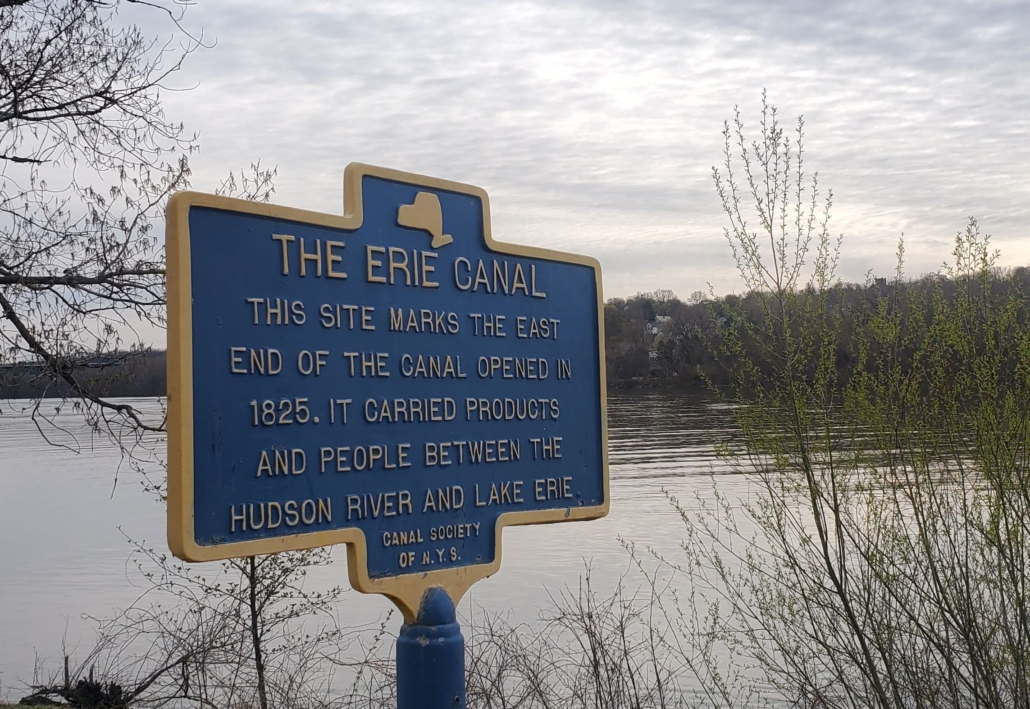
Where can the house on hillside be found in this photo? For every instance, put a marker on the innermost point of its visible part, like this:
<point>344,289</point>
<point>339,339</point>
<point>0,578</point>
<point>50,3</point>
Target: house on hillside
<point>660,324</point>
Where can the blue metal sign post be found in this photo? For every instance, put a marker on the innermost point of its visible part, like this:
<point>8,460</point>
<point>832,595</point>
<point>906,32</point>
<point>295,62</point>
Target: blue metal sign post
<point>392,379</point>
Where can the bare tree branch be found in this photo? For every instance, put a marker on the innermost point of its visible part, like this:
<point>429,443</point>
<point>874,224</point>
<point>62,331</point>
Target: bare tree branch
<point>87,161</point>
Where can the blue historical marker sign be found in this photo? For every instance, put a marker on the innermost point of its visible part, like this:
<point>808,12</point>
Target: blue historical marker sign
<point>392,379</point>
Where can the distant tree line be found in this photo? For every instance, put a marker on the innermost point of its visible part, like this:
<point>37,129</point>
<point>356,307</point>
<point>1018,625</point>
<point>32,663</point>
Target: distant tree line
<point>114,374</point>
<point>656,339</point>
<point>651,339</point>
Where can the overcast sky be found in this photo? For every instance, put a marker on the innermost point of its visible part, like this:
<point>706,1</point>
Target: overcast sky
<point>594,124</point>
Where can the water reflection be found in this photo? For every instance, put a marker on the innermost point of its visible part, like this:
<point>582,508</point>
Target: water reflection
<point>656,436</point>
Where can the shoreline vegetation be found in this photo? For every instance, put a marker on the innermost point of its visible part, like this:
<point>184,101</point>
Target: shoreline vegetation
<point>653,340</point>
<point>138,373</point>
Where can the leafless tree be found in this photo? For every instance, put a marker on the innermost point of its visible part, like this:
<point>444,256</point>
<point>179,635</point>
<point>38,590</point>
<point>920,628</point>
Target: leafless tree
<point>87,160</point>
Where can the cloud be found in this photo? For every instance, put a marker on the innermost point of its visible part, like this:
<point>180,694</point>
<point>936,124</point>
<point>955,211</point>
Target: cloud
<point>594,125</point>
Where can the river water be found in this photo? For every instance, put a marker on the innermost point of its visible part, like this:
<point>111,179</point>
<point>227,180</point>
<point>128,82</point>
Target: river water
<point>66,514</point>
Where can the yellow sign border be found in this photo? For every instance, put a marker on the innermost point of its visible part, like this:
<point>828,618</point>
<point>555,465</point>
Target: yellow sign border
<point>405,590</point>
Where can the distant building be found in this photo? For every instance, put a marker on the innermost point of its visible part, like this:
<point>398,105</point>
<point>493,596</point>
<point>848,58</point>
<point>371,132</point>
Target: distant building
<point>658,324</point>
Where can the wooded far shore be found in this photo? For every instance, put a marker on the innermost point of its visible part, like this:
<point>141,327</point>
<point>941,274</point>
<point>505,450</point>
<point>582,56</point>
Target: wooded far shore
<point>652,340</point>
